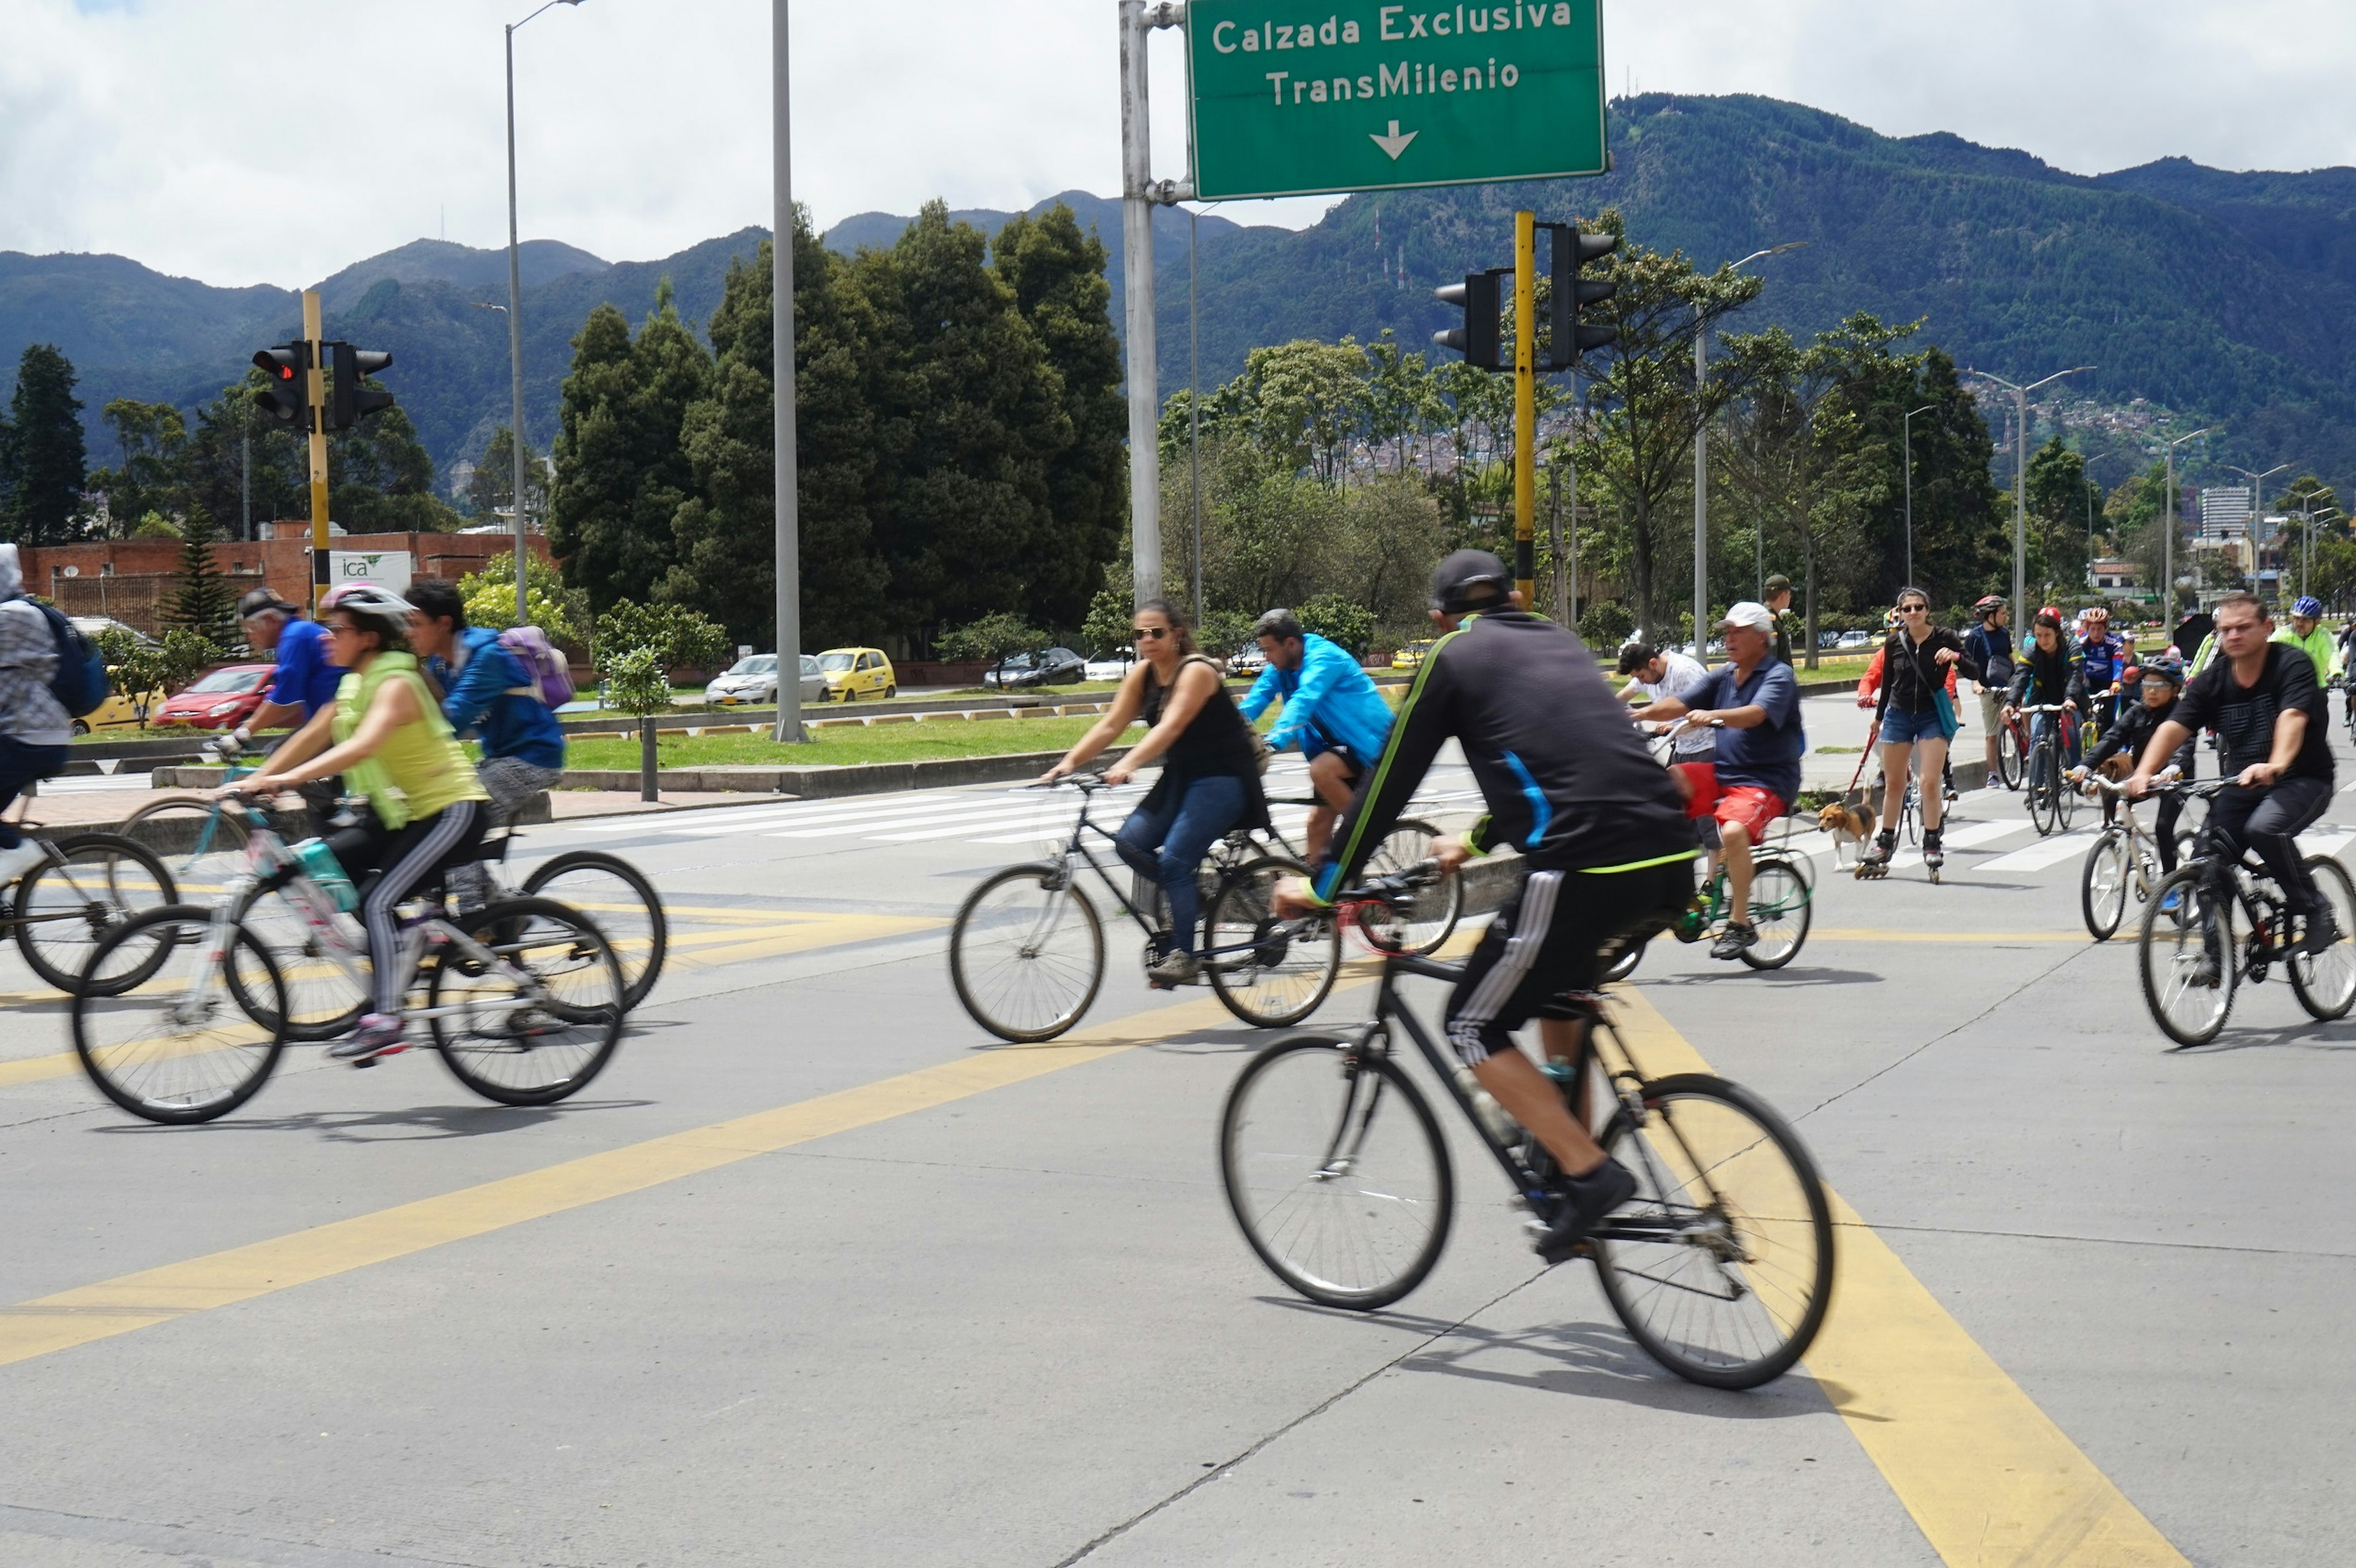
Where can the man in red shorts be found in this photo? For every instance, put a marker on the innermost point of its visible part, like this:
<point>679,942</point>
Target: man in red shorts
<point>1757,774</point>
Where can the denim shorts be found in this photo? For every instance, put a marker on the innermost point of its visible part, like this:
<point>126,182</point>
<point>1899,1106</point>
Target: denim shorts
<point>1902,729</point>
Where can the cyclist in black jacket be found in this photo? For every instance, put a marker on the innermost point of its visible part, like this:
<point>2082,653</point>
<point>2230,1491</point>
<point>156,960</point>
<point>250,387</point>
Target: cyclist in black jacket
<point>2162,682</point>
<point>1569,784</point>
<point>2051,672</point>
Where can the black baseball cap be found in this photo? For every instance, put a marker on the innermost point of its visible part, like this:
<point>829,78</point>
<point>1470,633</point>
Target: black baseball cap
<point>1779,583</point>
<point>1458,583</point>
<point>260,599</point>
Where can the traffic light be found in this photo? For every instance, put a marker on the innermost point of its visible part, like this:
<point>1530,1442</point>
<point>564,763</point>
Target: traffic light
<point>350,402</point>
<point>1481,338</point>
<point>1575,294</point>
<point>285,396</point>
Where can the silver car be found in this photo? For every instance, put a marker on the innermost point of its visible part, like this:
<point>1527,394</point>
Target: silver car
<point>753,680</point>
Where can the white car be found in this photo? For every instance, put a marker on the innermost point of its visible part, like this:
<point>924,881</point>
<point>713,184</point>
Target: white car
<point>1108,669</point>
<point>1856,640</point>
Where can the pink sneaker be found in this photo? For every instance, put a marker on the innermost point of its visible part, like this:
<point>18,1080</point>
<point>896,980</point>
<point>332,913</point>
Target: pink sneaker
<point>380,1034</point>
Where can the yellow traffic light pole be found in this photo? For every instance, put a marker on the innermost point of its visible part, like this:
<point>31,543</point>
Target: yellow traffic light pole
<point>314,396</point>
<point>1526,403</point>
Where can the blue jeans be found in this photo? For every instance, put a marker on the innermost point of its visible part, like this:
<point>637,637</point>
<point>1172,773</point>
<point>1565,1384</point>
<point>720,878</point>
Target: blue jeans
<point>20,765</point>
<point>1168,842</point>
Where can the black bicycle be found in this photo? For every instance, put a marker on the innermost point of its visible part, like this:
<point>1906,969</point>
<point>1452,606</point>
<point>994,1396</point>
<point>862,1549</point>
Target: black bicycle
<point>91,886</point>
<point>2050,795</point>
<point>2192,953</point>
<point>1721,1267</point>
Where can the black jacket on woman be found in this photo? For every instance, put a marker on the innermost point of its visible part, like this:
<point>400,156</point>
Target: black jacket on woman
<point>2042,679</point>
<point>1911,676</point>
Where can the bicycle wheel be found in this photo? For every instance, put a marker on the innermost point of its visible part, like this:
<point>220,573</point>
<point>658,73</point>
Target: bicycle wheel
<point>612,892</point>
<point>1269,970</point>
<point>1027,953</point>
<point>1780,909</point>
<point>326,980</point>
<point>2326,983</point>
<point>2169,954</point>
<point>541,1021</point>
<point>168,1041</point>
<point>1621,959</point>
<point>69,904</point>
<point>2103,884</point>
<point>202,845</point>
<point>1335,1170</point>
<point>1721,1267</point>
<point>1430,917</point>
<point>2042,767</point>
<point>2008,755</point>
<point>2065,796</point>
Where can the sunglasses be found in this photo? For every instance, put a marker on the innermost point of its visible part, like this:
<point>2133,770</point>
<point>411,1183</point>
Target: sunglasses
<point>1913,609</point>
<point>1148,634</point>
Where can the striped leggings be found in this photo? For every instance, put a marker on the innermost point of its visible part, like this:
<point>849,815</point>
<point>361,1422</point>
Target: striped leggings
<point>403,862</point>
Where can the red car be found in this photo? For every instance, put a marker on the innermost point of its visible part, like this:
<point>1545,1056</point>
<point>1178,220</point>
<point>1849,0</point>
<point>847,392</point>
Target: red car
<point>221,700</point>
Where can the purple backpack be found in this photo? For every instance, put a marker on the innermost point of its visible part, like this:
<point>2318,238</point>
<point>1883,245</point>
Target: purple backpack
<point>550,677</point>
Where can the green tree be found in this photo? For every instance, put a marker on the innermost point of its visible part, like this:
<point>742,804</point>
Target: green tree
<point>45,460</point>
<point>201,601</point>
<point>1056,274</point>
<point>563,612</point>
<point>380,479</point>
<point>146,672</point>
<point>622,467</point>
<point>151,442</point>
<point>2063,505</point>
<point>1106,632</point>
<point>993,640</point>
<point>492,488</point>
<point>240,462</point>
<point>677,638</point>
<point>1340,621</point>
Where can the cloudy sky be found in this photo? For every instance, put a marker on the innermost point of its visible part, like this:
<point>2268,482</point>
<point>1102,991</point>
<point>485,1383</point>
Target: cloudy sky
<point>275,141</point>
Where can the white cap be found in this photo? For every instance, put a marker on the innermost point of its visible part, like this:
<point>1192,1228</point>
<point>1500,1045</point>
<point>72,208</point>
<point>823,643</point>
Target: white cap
<point>1751,616</point>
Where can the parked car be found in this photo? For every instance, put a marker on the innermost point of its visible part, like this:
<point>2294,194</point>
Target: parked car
<point>119,712</point>
<point>1410,656</point>
<point>1251,661</point>
<point>1048,666</point>
<point>755,680</point>
<point>1109,669</point>
<point>1856,640</point>
<point>223,699</point>
<point>855,673</point>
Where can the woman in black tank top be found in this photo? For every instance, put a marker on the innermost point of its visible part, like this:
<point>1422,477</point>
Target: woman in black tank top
<point>1210,771</point>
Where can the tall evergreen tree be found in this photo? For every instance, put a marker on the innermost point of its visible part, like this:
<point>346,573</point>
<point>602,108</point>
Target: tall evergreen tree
<point>622,467</point>
<point>492,489</point>
<point>202,600</point>
<point>1057,276</point>
<point>240,461</point>
<point>45,460</point>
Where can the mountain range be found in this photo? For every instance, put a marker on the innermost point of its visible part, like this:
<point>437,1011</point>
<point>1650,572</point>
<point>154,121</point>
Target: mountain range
<point>2221,296</point>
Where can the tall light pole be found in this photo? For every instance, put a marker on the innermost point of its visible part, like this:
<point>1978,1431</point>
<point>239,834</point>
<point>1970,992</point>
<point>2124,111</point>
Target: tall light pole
<point>787,544</point>
<point>2021,476</point>
<point>2257,504</point>
<point>1908,423</point>
<point>2168,557</point>
<point>515,317</point>
<point>1701,462</point>
<point>2306,543</point>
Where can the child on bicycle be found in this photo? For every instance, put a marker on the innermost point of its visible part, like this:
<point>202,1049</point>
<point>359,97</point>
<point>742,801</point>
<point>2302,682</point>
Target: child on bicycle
<point>2114,754</point>
<point>426,808</point>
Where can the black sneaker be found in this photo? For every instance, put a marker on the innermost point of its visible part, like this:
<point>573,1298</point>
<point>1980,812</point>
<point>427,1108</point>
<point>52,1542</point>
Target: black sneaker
<point>1583,1200</point>
<point>2322,931</point>
<point>1732,941</point>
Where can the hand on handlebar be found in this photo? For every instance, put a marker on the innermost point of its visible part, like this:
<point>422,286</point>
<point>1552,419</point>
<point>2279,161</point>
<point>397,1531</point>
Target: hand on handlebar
<point>1449,853</point>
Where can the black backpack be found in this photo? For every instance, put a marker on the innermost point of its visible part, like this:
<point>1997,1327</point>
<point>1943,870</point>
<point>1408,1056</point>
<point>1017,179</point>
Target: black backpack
<point>80,683</point>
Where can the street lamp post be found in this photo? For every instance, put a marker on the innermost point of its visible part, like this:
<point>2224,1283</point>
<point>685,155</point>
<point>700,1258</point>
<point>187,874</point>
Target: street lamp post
<point>2168,557</point>
<point>2257,504</point>
<point>2020,474</point>
<point>785,544</point>
<point>1701,462</point>
<point>515,317</point>
<point>1908,423</point>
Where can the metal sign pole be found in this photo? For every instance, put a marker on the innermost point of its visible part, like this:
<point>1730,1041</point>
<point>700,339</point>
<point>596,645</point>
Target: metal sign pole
<point>315,397</point>
<point>1526,402</point>
<point>788,727</point>
<point>1136,267</point>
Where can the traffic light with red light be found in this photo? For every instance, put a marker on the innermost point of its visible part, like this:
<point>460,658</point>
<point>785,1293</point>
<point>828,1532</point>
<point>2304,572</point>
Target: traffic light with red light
<point>285,396</point>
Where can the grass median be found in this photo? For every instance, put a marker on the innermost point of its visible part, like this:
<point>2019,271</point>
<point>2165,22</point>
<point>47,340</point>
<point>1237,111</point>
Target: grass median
<point>836,747</point>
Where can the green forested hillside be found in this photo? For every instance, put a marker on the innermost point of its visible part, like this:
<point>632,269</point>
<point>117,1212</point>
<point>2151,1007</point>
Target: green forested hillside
<point>2224,296</point>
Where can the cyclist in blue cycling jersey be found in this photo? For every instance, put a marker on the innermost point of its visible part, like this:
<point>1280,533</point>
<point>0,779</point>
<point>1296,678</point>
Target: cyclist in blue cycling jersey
<point>2107,655</point>
<point>1333,714</point>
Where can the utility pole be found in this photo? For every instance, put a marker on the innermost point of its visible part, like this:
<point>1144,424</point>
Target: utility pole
<point>1910,491</point>
<point>314,398</point>
<point>1526,403</point>
<point>245,472</point>
<point>2021,476</point>
<point>2167,559</point>
<point>1141,194</point>
<point>1554,543</point>
<point>1701,467</point>
<point>787,728</point>
<point>514,322</point>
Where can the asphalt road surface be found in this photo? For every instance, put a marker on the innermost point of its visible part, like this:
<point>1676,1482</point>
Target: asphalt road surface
<point>816,1274</point>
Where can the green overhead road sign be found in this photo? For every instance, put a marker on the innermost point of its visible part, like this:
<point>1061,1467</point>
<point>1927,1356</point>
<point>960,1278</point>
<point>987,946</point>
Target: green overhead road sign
<point>1302,99</point>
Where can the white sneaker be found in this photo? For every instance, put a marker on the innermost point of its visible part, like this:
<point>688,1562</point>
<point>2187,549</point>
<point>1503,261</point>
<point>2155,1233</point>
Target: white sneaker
<point>15,863</point>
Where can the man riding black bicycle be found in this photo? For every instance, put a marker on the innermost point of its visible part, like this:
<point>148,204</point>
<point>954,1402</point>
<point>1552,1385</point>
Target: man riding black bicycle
<point>1569,784</point>
<point>2264,700</point>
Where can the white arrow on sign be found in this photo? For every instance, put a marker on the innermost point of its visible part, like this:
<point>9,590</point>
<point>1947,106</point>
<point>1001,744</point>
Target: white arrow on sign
<point>1395,144</point>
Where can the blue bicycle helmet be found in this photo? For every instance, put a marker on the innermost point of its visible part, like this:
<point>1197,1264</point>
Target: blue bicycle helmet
<point>2308,608</point>
<point>2159,667</point>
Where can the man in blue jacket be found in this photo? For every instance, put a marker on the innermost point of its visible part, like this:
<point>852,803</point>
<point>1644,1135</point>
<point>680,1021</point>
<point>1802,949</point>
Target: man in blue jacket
<point>1333,714</point>
<point>489,693</point>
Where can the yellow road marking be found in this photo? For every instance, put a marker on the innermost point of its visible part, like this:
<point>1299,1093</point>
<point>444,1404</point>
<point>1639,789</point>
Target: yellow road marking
<point>155,1295</point>
<point>1988,1475</point>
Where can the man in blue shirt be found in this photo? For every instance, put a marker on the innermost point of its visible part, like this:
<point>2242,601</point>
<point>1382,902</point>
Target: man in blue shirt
<point>1333,713</point>
<point>304,683</point>
<point>1757,775</point>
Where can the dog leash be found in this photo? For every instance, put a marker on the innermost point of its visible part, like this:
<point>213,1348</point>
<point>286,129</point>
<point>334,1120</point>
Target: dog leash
<point>1872,734</point>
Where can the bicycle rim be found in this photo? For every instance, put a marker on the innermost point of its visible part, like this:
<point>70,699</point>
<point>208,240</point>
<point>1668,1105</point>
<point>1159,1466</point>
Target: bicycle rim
<point>202,845</point>
<point>1721,1267</point>
<point>540,1022</point>
<point>2103,885</point>
<point>172,1046</point>
<point>1335,1170</point>
<point>1027,953</point>
<point>1779,913</point>
<point>624,904</point>
<point>1269,970</point>
<point>323,1000</point>
<point>2008,755</point>
<point>2169,948</point>
<point>2326,983</point>
<point>64,912</point>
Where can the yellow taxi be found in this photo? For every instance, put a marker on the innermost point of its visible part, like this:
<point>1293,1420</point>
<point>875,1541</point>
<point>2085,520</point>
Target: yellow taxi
<point>1410,656</point>
<point>119,712</point>
<point>855,673</point>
